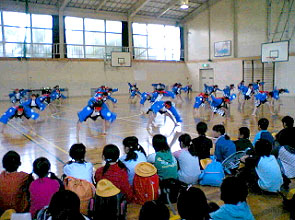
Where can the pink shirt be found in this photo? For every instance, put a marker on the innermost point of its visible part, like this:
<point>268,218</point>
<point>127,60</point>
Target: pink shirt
<point>41,191</point>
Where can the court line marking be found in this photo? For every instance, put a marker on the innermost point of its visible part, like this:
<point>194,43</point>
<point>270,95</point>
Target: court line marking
<point>44,139</point>
<point>29,137</point>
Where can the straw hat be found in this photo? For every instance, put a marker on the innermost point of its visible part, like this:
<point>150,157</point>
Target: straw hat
<point>106,188</point>
<point>145,169</point>
<point>205,162</point>
<point>7,214</point>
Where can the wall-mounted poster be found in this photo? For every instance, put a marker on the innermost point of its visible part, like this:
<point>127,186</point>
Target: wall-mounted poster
<point>222,48</point>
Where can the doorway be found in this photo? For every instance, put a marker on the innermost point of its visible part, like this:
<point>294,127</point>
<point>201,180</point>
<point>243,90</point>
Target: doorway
<point>206,77</point>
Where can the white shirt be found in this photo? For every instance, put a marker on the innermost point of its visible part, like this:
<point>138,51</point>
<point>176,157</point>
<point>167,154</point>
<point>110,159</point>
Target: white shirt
<point>33,102</point>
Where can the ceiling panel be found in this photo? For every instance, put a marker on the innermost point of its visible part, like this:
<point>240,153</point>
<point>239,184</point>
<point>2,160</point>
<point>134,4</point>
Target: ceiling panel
<point>153,8</point>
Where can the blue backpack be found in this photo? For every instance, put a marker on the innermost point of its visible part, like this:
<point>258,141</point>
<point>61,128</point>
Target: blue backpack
<point>213,174</point>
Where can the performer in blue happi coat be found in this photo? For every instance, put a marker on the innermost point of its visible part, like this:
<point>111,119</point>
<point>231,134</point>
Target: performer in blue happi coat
<point>18,95</point>
<point>247,92</point>
<point>275,98</point>
<point>200,101</point>
<point>260,99</point>
<point>96,108</point>
<point>257,86</point>
<point>227,90</point>
<point>176,89</point>
<point>20,112</point>
<point>159,86</point>
<point>134,92</point>
<point>163,108</point>
<point>211,89</point>
<point>220,105</point>
<point>56,94</point>
<point>36,102</point>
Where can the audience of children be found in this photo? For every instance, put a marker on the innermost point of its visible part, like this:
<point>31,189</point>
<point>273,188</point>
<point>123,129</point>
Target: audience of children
<point>163,159</point>
<point>263,132</point>
<point>188,161</point>
<point>45,185</point>
<point>13,184</point>
<point>224,147</point>
<point>243,143</point>
<point>233,193</point>
<point>202,144</point>
<point>114,170</point>
<point>134,154</point>
<point>262,173</point>
<point>78,167</point>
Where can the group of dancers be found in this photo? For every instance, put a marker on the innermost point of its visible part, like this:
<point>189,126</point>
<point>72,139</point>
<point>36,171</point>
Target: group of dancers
<point>25,106</point>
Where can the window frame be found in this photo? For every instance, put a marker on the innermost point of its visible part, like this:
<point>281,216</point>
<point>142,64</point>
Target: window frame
<point>147,48</point>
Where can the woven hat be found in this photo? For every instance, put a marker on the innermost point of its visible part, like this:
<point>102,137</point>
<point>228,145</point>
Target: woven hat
<point>106,188</point>
<point>145,169</point>
<point>7,214</point>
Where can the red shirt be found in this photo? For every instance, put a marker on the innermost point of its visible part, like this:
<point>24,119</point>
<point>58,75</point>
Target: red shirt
<point>12,194</point>
<point>119,177</point>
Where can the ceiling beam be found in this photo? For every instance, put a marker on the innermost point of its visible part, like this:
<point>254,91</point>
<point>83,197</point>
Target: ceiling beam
<point>204,6</point>
<point>139,5</point>
<point>63,4</point>
<point>102,3</point>
<point>171,4</point>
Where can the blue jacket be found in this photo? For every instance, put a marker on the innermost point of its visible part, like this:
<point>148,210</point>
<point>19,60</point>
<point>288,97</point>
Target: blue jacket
<point>240,211</point>
<point>261,96</point>
<point>224,148</point>
<point>39,102</point>
<point>157,106</point>
<point>215,102</point>
<point>88,110</point>
<point>56,95</point>
<point>22,94</point>
<point>11,112</point>
<point>199,100</point>
<point>144,97</point>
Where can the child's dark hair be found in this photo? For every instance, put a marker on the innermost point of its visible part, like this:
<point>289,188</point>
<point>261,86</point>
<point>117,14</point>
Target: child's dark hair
<point>185,139</point>
<point>192,204</point>
<point>154,210</point>
<point>202,128</point>
<point>245,132</point>
<point>168,103</point>
<point>263,148</point>
<point>288,121</point>
<point>233,190</point>
<point>221,130</point>
<point>64,204</point>
<point>11,161</point>
<point>111,154</point>
<point>160,143</point>
<point>132,143</point>
<point>77,152</point>
<point>41,167</point>
<point>263,123</point>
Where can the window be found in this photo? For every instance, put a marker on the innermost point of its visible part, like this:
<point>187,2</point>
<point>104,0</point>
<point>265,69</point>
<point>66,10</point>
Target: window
<point>92,38</point>
<point>27,35</point>
<point>157,42</point>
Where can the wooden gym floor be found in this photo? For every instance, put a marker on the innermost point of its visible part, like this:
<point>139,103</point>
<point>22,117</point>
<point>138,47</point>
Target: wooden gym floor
<point>53,135</point>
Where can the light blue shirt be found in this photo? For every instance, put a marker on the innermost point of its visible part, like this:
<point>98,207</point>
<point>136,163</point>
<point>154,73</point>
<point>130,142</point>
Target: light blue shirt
<point>240,211</point>
<point>269,173</point>
<point>131,164</point>
<point>258,136</point>
<point>82,171</point>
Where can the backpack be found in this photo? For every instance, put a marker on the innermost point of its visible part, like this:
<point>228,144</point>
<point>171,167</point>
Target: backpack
<point>110,208</point>
<point>170,189</point>
<point>213,174</point>
<point>84,189</point>
<point>145,188</point>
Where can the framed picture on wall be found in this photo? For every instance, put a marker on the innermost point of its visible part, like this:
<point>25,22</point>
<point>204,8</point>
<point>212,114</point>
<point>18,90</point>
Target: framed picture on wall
<point>222,48</point>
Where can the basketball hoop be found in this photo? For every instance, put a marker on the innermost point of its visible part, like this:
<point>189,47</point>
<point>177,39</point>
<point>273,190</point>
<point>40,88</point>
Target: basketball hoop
<point>271,59</point>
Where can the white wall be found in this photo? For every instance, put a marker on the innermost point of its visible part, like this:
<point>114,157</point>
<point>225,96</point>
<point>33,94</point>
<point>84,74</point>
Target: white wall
<point>80,76</point>
<point>285,75</point>
<point>244,22</point>
<point>225,73</point>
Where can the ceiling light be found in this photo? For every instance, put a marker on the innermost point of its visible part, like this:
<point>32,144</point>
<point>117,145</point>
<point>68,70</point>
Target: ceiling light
<point>184,4</point>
